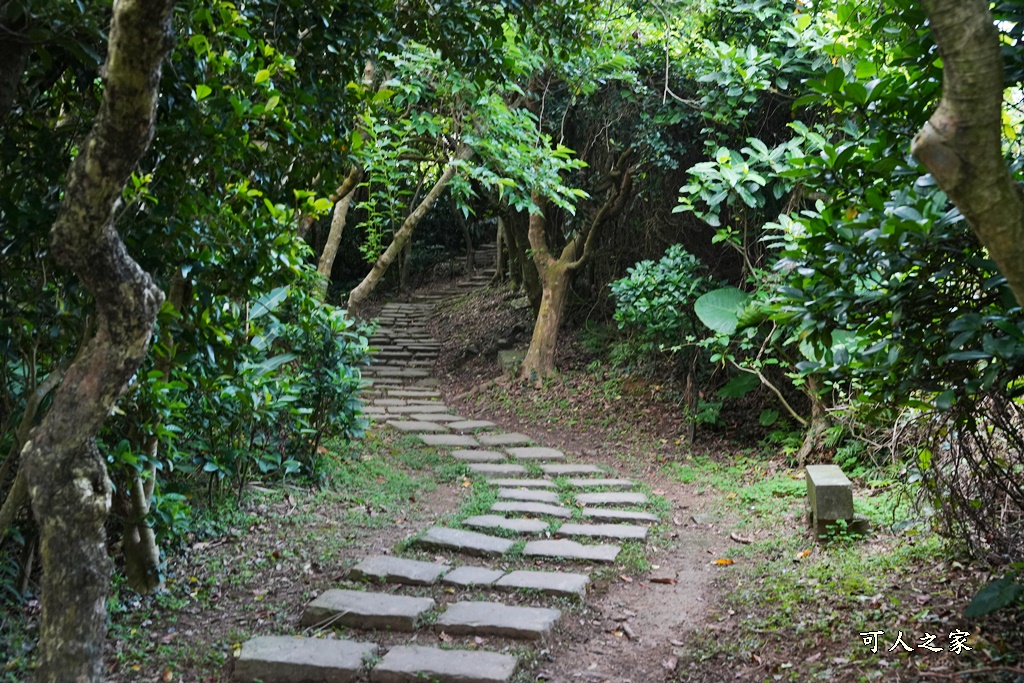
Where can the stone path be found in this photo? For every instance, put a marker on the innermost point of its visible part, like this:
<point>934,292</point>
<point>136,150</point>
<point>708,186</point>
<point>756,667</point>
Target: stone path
<point>549,512</point>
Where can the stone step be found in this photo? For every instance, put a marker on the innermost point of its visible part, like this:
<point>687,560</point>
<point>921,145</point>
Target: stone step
<point>436,417</point>
<point>538,509</point>
<point>419,408</point>
<point>612,498</point>
<point>288,659</point>
<point>416,426</point>
<point>496,619</point>
<point>468,542</point>
<point>472,425</point>
<point>366,610</point>
<point>571,550</point>
<point>505,439</point>
<point>613,515</point>
<point>449,440</point>
<point>515,525</point>
<point>614,531</point>
<point>564,470</point>
<point>415,663</point>
<point>602,483</point>
<point>497,468</point>
<point>536,453</point>
<point>529,496</point>
<point>475,455</point>
<point>562,584</point>
<point>398,570</point>
<point>467,576</point>
<point>524,483</point>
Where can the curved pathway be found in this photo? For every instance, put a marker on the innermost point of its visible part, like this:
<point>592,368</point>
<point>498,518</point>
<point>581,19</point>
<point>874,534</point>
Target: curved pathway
<point>514,570</point>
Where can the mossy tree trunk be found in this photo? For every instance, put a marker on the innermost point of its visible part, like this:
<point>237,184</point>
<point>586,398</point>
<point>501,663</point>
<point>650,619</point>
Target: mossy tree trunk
<point>65,472</point>
<point>556,273</point>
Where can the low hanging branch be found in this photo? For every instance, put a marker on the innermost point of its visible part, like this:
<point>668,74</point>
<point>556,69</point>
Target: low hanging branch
<point>961,144</point>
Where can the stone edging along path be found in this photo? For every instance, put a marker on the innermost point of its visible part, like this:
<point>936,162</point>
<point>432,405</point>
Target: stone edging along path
<point>536,490</point>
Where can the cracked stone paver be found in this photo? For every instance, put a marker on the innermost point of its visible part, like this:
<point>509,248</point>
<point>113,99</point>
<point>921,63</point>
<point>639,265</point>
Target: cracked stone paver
<point>516,525</point>
<point>563,584</point>
<point>367,610</point>
<point>468,542</point>
<point>287,659</point>
<point>529,496</point>
<point>410,663</point>
<point>496,619</point>
<point>398,570</point>
<point>571,550</point>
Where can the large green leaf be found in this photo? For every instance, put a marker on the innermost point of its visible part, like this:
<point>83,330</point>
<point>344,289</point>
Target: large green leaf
<point>995,595</point>
<point>720,309</point>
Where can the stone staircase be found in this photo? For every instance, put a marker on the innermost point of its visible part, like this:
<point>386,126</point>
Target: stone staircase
<point>552,522</point>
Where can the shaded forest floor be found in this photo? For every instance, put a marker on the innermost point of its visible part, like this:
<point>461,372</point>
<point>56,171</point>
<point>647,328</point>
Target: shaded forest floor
<point>732,586</point>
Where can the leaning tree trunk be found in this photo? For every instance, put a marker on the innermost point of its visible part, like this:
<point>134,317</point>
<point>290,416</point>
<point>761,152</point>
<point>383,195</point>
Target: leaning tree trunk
<point>962,142</point>
<point>65,472</point>
<point>344,196</point>
<point>817,426</point>
<point>359,295</point>
<point>540,358</point>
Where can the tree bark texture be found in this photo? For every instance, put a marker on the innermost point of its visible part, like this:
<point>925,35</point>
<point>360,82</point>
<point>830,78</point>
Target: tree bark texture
<point>556,274</point>
<point>15,48</point>
<point>66,474</point>
<point>962,142</point>
<point>345,194</point>
<point>359,295</point>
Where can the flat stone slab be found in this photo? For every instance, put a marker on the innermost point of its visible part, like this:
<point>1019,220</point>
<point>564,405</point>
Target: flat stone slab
<point>539,509</point>
<point>478,456</point>
<point>488,468</point>
<point>605,483</point>
<point>529,496</point>
<point>612,498</point>
<point>571,550</point>
<point>536,453</point>
<point>416,664</point>
<point>398,570</point>
<point>468,542</point>
<point>359,609</point>
<point>504,439</point>
<point>450,440</point>
<point>619,515</point>
<point>420,408</point>
<point>550,583</point>
<point>564,470</point>
<point>526,483</point>
<point>471,425</point>
<point>615,531</point>
<point>472,576</point>
<point>416,426</point>
<point>496,619</point>
<point>408,393</point>
<point>286,659</point>
<point>517,525</point>
<point>436,417</point>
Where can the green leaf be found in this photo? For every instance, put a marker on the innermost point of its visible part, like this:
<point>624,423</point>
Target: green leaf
<point>261,75</point>
<point>740,385</point>
<point>802,22</point>
<point>271,103</point>
<point>996,595</point>
<point>768,417</point>
<point>719,309</point>
<point>202,91</point>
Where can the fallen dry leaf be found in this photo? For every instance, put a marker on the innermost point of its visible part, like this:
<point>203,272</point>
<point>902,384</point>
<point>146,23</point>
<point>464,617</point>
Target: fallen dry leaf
<point>625,578</point>
<point>664,579</point>
<point>739,539</point>
<point>801,555</point>
<point>724,561</point>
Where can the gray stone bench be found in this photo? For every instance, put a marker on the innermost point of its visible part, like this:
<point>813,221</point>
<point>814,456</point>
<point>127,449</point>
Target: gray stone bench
<point>830,497</point>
